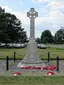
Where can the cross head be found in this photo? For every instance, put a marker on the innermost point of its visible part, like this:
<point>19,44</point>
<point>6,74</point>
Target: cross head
<point>32,13</point>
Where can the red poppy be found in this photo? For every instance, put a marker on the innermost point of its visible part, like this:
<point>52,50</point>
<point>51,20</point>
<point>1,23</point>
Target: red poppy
<point>33,67</point>
<point>50,73</point>
<point>16,73</point>
<point>36,67</point>
<point>44,68</point>
<point>25,67</point>
<point>48,68</point>
<point>51,67</point>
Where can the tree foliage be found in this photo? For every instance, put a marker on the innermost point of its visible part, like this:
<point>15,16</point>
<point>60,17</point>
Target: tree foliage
<point>59,36</point>
<point>38,40</point>
<point>11,28</point>
<point>46,37</point>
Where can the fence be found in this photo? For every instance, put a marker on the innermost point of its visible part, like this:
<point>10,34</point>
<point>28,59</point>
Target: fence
<point>14,58</point>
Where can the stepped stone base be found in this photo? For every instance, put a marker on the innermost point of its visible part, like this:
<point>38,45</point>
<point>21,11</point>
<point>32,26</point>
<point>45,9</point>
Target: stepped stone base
<point>21,64</point>
<point>32,54</point>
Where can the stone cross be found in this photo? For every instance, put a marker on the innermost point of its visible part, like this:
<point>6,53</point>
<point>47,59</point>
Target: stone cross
<point>31,57</point>
<point>32,14</point>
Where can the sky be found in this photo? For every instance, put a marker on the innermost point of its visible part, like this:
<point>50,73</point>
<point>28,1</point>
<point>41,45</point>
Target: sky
<point>50,14</point>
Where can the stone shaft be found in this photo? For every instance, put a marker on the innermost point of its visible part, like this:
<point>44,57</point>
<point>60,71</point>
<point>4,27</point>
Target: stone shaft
<point>32,30</point>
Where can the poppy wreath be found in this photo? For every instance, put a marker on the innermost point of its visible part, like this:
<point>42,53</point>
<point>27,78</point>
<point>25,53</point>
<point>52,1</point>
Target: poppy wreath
<point>39,67</point>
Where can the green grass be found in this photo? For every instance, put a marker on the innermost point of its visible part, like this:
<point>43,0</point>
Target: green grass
<point>20,53</point>
<point>32,80</point>
<point>43,53</point>
<point>54,52</point>
<point>55,80</point>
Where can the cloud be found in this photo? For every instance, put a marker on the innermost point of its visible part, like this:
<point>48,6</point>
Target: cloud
<point>53,17</point>
<point>42,1</point>
<point>42,9</point>
<point>61,1</point>
<point>7,9</point>
<point>22,16</point>
<point>52,22</point>
<point>57,17</point>
<point>24,19</point>
<point>56,5</point>
<point>39,1</point>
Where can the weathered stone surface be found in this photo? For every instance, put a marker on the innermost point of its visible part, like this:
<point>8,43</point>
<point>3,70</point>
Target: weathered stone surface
<point>32,53</point>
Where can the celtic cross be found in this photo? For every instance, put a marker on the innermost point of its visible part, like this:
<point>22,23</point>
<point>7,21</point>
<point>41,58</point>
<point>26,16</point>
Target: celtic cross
<point>32,14</point>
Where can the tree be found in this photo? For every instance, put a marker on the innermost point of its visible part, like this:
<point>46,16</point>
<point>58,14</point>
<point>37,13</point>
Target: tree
<point>11,28</point>
<point>59,36</point>
<point>1,10</point>
<point>46,37</point>
<point>38,40</point>
<point>3,25</point>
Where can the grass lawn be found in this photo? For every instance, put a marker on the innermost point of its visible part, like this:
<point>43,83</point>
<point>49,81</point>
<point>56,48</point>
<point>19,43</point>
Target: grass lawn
<point>55,80</point>
<point>20,53</point>
<point>32,80</point>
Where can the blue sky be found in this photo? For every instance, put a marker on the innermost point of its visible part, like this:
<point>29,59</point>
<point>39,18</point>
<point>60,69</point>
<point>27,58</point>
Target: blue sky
<point>50,13</point>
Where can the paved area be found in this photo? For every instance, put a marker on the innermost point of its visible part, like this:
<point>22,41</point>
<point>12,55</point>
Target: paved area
<point>61,66</point>
<point>13,67</point>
